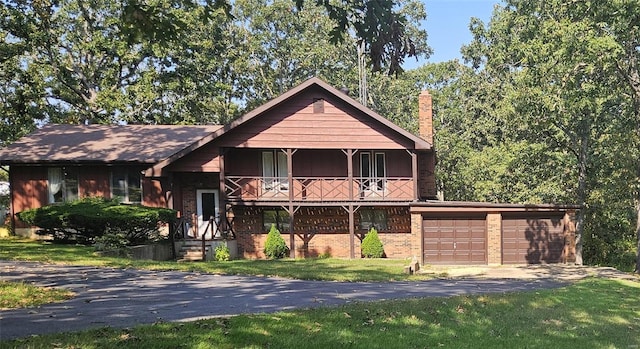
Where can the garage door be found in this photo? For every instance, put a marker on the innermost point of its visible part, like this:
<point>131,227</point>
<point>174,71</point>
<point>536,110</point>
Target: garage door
<point>532,240</point>
<point>456,240</point>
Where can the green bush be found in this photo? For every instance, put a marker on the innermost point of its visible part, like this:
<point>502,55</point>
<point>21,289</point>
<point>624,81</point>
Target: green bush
<point>112,242</point>
<point>275,246</point>
<point>222,253</point>
<point>371,245</point>
<point>86,219</point>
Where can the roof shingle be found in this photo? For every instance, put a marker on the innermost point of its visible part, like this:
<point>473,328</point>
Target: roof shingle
<point>100,143</point>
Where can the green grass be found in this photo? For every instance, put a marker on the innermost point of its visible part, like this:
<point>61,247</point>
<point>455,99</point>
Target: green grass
<point>21,295</point>
<point>304,269</point>
<point>593,313</point>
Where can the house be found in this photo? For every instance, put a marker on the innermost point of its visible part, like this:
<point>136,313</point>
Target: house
<point>314,162</point>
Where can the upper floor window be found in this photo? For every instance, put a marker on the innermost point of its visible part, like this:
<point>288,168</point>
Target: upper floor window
<point>126,184</point>
<point>63,184</point>
<point>372,171</point>
<point>275,171</point>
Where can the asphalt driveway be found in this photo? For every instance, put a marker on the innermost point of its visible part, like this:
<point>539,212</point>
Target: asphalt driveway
<point>126,297</point>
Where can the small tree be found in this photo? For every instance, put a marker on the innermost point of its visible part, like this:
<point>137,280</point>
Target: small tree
<point>371,245</point>
<point>222,253</point>
<point>275,246</point>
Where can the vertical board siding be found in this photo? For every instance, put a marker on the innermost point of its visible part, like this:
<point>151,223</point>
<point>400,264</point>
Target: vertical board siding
<point>30,190</point>
<point>94,181</point>
<point>153,193</point>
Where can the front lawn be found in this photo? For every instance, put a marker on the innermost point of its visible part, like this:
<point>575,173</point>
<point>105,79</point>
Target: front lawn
<point>304,269</point>
<point>593,313</point>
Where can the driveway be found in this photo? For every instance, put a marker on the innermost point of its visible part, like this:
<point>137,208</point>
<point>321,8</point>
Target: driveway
<point>125,297</point>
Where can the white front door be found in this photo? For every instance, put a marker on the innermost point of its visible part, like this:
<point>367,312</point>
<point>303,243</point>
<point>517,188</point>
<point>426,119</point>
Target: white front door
<point>207,206</point>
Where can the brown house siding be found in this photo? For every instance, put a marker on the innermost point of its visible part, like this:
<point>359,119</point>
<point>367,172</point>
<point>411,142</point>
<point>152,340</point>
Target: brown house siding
<point>205,159</point>
<point>94,181</point>
<point>295,125</point>
<point>29,185</point>
<point>153,193</point>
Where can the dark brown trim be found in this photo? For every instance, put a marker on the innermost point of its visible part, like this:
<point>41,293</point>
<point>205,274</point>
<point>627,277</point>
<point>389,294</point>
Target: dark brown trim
<point>464,206</point>
<point>222,197</point>
<point>414,171</point>
<point>319,204</point>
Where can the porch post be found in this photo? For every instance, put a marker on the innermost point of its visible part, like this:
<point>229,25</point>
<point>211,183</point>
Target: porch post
<point>292,237</point>
<point>352,234</point>
<point>414,172</point>
<point>222,196</point>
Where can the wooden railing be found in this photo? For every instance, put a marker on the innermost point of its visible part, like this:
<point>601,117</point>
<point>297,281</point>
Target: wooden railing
<point>321,189</point>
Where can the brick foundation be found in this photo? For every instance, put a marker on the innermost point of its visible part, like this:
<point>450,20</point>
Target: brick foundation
<point>326,231</point>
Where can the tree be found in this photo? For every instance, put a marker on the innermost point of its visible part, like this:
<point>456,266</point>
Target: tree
<point>562,66</point>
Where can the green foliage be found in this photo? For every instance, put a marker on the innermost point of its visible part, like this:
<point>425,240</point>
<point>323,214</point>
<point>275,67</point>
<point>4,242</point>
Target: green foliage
<point>275,246</point>
<point>371,245</point>
<point>112,242</point>
<point>88,218</point>
<point>222,253</point>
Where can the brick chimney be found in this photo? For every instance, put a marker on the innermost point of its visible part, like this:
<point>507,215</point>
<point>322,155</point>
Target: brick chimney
<point>425,116</point>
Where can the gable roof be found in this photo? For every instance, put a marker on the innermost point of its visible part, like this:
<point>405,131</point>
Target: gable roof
<point>420,143</point>
<point>101,143</point>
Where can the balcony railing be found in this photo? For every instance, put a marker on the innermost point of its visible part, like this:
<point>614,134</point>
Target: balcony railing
<point>319,189</point>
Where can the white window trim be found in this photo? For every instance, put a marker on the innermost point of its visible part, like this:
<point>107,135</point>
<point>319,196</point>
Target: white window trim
<point>373,183</point>
<point>275,176</point>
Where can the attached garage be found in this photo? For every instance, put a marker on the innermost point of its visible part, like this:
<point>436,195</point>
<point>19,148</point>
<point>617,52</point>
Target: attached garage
<point>532,239</point>
<point>472,233</point>
<point>455,240</point>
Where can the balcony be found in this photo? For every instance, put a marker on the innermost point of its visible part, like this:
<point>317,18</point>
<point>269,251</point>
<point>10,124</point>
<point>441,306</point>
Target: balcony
<point>319,189</point>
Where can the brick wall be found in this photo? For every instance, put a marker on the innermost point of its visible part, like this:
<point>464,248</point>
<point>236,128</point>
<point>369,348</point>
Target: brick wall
<point>569,221</point>
<point>326,231</point>
<point>416,236</point>
<point>494,238</point>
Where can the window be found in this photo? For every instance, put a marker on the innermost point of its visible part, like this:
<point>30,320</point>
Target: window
<point>370,218</point>
<point>372,171</point>
<point>275,171</point>
<point>126,185</point>
<point>278,217</point>
<point>63,184</point>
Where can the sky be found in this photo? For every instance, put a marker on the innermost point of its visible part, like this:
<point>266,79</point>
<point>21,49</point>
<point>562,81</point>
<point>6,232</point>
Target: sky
<point>447,27</point>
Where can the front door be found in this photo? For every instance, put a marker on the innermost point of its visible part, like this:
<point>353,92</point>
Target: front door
<point>207,206</point>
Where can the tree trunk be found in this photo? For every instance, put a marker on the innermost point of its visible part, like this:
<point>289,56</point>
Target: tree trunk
<point>637,271</point>
<point>583,158</point>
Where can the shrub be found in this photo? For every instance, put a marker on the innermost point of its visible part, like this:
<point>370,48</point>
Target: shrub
<point>112,242</point>
<point>86,219</point>
<point>222,253</point>
<point>371,245</point>
<point>275,247</point>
